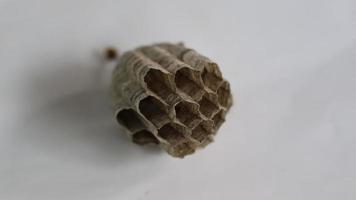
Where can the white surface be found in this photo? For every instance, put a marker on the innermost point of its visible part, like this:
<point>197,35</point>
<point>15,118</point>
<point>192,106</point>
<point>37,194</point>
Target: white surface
<point>291,134</point>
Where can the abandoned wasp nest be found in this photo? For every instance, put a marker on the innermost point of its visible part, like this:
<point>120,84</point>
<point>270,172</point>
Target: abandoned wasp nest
<point>170,95</point>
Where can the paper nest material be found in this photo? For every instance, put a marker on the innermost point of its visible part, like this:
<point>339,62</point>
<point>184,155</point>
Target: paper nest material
<point>170,95</point>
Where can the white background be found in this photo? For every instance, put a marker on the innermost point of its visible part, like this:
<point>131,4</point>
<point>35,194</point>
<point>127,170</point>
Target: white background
<point>290,135</point>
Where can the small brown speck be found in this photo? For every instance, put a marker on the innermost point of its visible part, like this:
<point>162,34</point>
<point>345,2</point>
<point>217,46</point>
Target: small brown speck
<point>111,53</point>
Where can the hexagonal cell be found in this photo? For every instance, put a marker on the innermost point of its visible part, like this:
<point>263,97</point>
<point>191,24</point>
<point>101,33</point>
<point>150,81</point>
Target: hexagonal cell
<point>184,82</point>
<point>171,133</point>
<point>129,119</point>
<point>207,107</point>
<point>200,133</point>
<point>153,110</point>
<point>187,113</point>
<point>211,80</point>
<point>158,82</point>
<point>144,137</point>
<point>224,94</point>
<point>218,119</point>
<point>183,149</point>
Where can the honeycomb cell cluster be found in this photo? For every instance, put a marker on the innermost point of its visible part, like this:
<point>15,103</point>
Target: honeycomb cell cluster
<point>170,95</point>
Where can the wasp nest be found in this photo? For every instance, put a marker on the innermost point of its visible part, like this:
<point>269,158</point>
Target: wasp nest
<point>170,95</point>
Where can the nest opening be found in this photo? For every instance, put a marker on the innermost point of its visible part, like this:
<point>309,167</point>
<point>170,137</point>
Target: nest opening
<point>158,82</point>
<point>207,108</point>
<point>169,133</point>
<point>187,113</point>
<point>218,120</point>
<point>199,133</point>
<point>211,80</point>
<point>184,82</point>
<point>129,119</point>
<point>153,109</point>
<point>144,137</point>
<point>184,149</point>
<point>223,95</point>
